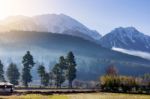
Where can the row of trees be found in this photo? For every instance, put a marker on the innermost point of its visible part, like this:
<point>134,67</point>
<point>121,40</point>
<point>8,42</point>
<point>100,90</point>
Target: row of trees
<point>12,73</point>
<point>114,82</point>
<point>64,70</point>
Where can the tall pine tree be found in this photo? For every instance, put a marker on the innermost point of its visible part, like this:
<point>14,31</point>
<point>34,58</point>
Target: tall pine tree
<point>46,79</point>
<point>43,75</point>
<point>62,68</point>
<point>2,79</point>
<point>51,78</point>
<point>62,63</point>
<point>13,74</point>
<point>59,72</point>
<point>41,70</point>
<point>56,73</point>
<point>59,79</point>
<point>71,68</point>
<point>28,63</point>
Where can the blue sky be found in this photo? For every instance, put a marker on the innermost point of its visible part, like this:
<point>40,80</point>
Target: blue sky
<point>100,15</point>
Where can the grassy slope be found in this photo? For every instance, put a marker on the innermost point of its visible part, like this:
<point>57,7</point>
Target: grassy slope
<point>80,96</point>
<point>108,96</point>
<point>35,96</point>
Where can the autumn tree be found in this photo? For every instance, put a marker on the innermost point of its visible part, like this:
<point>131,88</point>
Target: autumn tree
<point>112,70</point>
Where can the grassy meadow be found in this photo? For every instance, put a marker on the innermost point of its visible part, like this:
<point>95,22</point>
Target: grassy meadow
<point>79,96</point>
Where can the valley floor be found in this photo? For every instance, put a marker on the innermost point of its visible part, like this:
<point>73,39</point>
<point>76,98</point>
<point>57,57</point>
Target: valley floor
<point>79,96</point>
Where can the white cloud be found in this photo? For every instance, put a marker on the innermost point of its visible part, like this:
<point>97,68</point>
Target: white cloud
<point>133,52</point>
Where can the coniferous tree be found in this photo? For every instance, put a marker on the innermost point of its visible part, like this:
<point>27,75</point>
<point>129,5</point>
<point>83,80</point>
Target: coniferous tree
<point>46,79</point>
<point>62,63</point>
<point>59,71</point>
<point>51,78</point>
<point>43,75</point>
<point>41,70</point>
<point>71,68</point>
<point>62,68</point>
<point>59,79</point>
<point>13,74</point>
<point>56,72</point>
<point>28,63</point>
<point>2,79</point>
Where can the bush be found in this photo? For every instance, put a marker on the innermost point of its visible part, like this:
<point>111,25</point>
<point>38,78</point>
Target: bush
<point>119,83</point>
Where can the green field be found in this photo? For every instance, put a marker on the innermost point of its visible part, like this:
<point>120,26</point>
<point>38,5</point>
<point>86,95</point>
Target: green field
<point>79,96</point>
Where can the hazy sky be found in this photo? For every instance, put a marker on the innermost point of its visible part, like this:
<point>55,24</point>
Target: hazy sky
<point>101,15</point>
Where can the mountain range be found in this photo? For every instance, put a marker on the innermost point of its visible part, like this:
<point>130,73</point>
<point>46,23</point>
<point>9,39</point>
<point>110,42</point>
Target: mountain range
<point>127,38</point>
<point>50,36</point>
<point>54,23</point>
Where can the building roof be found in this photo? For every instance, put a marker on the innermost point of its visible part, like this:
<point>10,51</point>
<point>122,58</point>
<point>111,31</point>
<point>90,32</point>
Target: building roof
<point>5,83</point>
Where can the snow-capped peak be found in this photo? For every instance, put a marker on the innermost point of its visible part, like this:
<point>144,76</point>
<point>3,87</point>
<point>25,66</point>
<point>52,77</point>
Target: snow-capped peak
<point>127,38</point>
<point>55,23</point>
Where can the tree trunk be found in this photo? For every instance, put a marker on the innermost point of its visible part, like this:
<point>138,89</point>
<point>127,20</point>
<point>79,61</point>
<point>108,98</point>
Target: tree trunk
<point>60,86</point>
<point>26,85</point>
<point>57,85</point>
<point>70,84</point>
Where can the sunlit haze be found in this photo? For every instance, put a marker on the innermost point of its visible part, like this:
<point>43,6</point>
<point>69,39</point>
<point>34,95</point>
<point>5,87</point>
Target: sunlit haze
<point>100,15</point>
